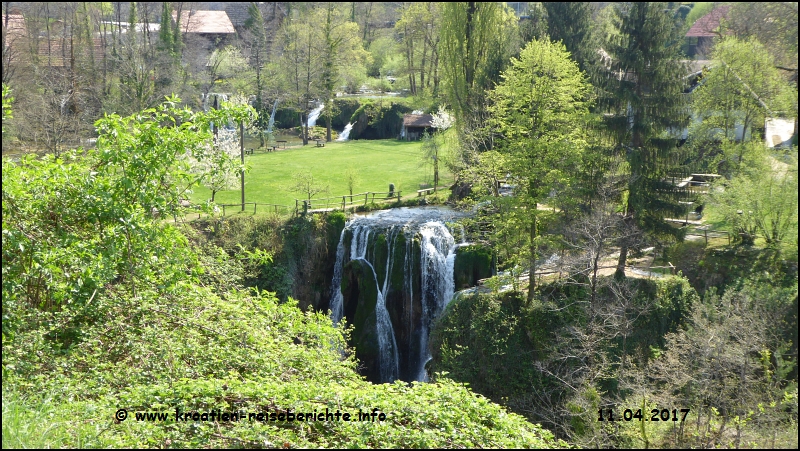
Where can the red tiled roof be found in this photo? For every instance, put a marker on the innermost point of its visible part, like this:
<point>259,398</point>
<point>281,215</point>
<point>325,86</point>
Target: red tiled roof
<point>216,22</point>
<point>60,54</point>
<point>706,25</point>
<point>417,120</point>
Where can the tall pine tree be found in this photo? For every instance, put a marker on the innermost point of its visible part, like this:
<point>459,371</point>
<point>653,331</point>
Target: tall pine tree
<point>570,23</point>
<point>641,85</point>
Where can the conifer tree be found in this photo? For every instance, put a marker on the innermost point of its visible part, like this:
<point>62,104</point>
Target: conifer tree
<point>570,23</point>
<point>641,84</point>
<point>165,29</point>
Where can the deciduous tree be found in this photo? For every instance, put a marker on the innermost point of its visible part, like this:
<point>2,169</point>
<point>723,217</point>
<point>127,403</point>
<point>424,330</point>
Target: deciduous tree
<point>740,90</point>
<point>539,111</point>
<point>476,42</point>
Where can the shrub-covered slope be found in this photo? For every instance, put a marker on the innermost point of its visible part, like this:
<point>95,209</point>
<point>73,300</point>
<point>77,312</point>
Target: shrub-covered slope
<point>107,308</point>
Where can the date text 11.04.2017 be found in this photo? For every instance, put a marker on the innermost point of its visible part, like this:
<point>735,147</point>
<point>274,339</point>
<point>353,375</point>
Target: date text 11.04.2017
<point>655,415</point>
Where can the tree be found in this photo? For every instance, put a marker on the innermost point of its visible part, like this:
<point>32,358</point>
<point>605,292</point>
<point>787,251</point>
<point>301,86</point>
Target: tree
<point>304,183</point>
<point>763,201</point>
<point>158,146</point>
<point>728,367</point>
<point>340,49</point>
<point>45,117</point>
<point>641,84</point>
<point>538,111</point>
<point>570,22</point>
<point>255,36</point>
<point>591,237</point>
<point>12,41</point>
<point>476,42</point>
<point>419,28</point>
<point>8,99</point>
<point>301,62</point>
<point>740,90</point>
<point>228,71</point>
<point>535,25</point>
<point>432,145</point>
<point>351,177</point>
<point>218,165</point>
<point>774,24</point>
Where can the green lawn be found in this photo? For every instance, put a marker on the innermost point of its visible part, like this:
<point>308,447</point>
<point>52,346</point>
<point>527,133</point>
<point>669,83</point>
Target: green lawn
<point>377,162</point>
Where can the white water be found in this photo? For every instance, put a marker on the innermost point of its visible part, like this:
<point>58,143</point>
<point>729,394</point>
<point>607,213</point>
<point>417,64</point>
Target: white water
<point>272,117</point>
<point>387,344</point>
<point>337,303</point>
<point>345,135</point>
<point>207,99</point>
<point>436,260</point>
<point>314,115</point>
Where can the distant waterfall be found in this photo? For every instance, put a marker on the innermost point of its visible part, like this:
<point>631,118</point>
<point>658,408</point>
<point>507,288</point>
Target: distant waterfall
<point>345,135</point>
<point>410,262</point>
<point>272,117</point>
<point>208,102</point>
<point>314,115</point>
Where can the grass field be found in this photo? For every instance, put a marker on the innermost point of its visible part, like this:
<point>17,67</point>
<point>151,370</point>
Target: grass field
<point>377,163</point>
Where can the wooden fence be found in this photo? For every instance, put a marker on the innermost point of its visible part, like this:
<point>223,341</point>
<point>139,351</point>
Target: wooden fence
<point>264,207</point>
<point>346,201</point>
<point>316,205</point>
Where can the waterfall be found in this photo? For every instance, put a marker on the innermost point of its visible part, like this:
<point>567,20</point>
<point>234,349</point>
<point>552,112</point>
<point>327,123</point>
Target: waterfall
<point>345,133</point>
<point>272,117</point>
<point>437,259</point>
<point>314,115</point>
<point>410,261</point>
<point>336,303</point>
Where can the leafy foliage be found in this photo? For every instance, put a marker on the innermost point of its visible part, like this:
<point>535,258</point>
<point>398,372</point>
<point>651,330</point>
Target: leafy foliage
<point>476,41</point>
<point>535,111</point>
<point>740,90</point>
<point>763,202</point>
<point>107,307</point>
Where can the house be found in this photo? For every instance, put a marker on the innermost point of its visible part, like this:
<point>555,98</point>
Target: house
<point>13,27</point>
<point>203,32</point>
<point>58,52</point>
<point>14,35</point>
<point>700,36</point>
<point>414,125</point>
<point>237,13</point>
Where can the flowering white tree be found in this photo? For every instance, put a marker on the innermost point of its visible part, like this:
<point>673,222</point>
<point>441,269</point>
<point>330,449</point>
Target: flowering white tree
<point>218,164</point>
<point>431,146</point>
<point>442,120</point>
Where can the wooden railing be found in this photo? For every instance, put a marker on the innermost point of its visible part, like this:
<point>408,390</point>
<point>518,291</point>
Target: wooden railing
<point>315,205</point>
<point>346,201</point>
<point>264,207</point>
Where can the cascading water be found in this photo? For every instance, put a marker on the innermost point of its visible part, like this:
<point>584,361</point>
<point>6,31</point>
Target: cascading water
<point>271,122</point>
<point>207,99</point>
<point>438,256</point>
<point>314,115</point>
<point>403,266</point>
<point>345,135</point>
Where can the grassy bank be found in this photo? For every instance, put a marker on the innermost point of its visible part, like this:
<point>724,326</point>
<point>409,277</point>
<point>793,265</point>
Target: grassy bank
<point>377,163</point>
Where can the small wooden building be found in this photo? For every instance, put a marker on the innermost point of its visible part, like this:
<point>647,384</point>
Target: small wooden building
<point>414,125</point>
